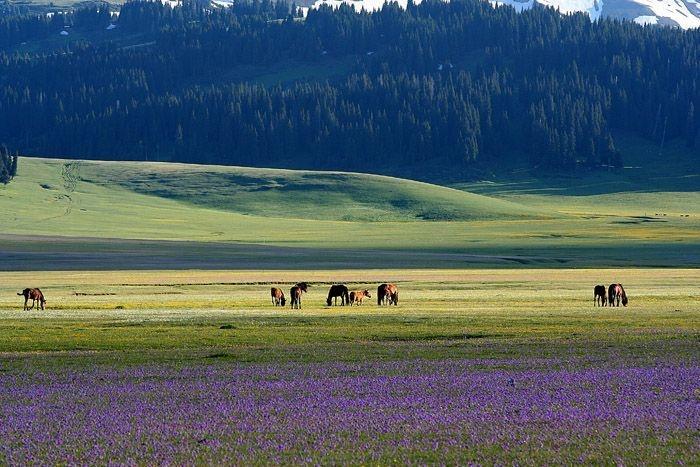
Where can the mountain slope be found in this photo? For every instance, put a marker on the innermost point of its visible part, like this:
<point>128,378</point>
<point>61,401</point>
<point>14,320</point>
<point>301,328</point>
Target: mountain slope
<point>679,13</point>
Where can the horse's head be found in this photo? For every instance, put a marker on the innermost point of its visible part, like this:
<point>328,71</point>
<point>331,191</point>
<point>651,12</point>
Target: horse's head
<point>328,301</point>
<point>366,292</point>
<point>303,286</point>
<point>624,300</point>
<point>283,300</point>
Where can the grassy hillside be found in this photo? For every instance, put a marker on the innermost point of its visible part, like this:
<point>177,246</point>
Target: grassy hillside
<point>59,214</point>
<point>296,194</point>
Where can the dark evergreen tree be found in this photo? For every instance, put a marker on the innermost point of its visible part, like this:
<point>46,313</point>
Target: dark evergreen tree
<point>8,165</point>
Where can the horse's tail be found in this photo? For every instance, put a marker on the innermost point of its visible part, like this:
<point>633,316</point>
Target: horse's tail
<point>611,293</point>
<point>20,293</point>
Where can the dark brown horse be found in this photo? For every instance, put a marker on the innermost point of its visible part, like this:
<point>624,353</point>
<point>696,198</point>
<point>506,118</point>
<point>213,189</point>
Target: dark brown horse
<point>296,292</point>
<point>387,294</point>
<point>338,290</point>
<point>36,297</point>
<point>599,297</point>
<point>616,293</point>
<point>356,296</point>
<point>277,296</point>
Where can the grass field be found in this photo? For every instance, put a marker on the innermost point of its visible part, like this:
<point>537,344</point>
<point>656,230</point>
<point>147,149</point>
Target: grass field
<point>473,366</point>
<point>114,215</point>
<point>176,310</point>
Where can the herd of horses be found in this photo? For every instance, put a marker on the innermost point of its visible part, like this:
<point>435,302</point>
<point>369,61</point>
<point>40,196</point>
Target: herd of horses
<point>615,295</point>
<point>387,294</point>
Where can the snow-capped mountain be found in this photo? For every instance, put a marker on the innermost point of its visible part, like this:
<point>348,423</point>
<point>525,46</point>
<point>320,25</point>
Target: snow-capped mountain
<point>680,13</point>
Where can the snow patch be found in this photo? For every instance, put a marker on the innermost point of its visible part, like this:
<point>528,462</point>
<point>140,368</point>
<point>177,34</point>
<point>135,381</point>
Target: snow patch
<point>518,5</point>
<point>594,8</point>
<point>674,10</point>
<point>644,20</point>
<point>222,3</point>
<point>171,3</point>
<point>359,5</point>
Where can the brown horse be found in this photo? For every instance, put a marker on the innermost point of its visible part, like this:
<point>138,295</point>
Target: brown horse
<point>387,294</point>
<point>338,290</point>
<point>296,292</point>
<point>35,295</point>
<point>599,297</point>
<point>356,296</point>
<point>277,296</point>
<point>616,293</point>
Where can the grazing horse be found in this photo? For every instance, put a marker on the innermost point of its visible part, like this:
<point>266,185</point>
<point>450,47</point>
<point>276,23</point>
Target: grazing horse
<point>387,294</point>
<point>338,290</point>
<point>616,293</point>
<point>35,295</point>
<point>296,292</point>
<point>356,296</point>
<point>599,297</point>
<point>277,296</point>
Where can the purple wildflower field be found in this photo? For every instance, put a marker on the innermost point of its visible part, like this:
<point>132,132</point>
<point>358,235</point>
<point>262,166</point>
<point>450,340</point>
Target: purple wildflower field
<point>416,411</point>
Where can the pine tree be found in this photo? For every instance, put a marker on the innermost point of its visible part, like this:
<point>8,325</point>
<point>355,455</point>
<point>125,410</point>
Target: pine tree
<point>6,165</point>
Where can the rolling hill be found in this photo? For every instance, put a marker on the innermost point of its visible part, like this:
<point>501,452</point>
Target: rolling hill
<point>61,214</point>
<point>295,194</point>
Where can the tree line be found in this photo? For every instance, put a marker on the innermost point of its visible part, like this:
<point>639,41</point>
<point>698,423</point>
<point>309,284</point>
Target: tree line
<point>459,82</point>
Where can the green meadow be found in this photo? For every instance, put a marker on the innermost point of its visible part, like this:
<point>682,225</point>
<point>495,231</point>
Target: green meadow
<point>60,214</point>
<point>138,316</point>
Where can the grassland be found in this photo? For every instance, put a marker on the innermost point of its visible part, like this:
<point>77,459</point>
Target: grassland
<point>480,366</point>
<point>445,313</point>
<point>65,215</point>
